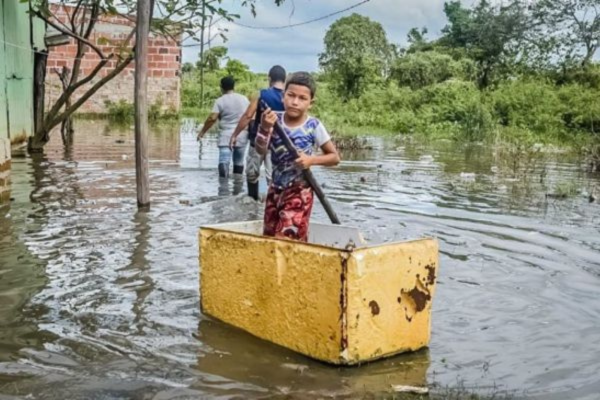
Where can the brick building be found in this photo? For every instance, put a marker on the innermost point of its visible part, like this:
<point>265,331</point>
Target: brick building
<point>110,32</point>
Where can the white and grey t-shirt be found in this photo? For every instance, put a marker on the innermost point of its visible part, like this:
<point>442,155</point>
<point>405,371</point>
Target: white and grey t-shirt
<point>230,108</point>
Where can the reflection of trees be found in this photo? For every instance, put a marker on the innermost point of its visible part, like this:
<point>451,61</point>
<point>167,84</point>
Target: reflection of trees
<point>99,140</point>
<point>251,362</point>
<point>508,176</point>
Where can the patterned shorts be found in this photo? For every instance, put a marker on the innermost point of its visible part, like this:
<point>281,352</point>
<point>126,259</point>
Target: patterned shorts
<point>287,212</point>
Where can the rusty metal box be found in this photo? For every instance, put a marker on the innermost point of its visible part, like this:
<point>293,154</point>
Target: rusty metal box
<point>335,298</point>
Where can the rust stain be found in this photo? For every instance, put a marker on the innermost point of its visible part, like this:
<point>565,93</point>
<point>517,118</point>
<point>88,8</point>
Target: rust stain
<point>420,298</point>
<point>344,303</point>
<point>374,307</point>
<point>430,274</point>
<point>408,318</point>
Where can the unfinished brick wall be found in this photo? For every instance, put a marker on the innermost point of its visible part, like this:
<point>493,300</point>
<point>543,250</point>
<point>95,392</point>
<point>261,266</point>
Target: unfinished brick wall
<point>4,170</point>
<point>164,64</point>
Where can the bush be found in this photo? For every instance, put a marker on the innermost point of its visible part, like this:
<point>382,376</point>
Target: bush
<point>418,70</point>
<point>121,111</point>
<point>581,107</point>
<point>533,105</point>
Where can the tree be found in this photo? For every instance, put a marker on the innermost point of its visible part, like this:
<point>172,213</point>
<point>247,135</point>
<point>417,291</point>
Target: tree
<point>356,52</point>
<point>213,58</point>
<point>187,67</point>
<point>237,69</point>
<point>424,68</point>
<point>175,17</point>
<point>417,41</point>
<point>571,28</point>
<point>490,35</point>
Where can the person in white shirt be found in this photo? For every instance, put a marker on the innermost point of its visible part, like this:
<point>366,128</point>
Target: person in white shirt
<point>228,109</point>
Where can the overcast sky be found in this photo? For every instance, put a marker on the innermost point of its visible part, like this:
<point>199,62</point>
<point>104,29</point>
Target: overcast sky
<point>298,48</point>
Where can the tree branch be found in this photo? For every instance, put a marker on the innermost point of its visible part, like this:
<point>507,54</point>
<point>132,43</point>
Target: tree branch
<point>69,33</point>
<point>91,92</point>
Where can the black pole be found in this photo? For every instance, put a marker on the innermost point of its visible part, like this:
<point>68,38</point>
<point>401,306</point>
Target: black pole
<point>308,175</point>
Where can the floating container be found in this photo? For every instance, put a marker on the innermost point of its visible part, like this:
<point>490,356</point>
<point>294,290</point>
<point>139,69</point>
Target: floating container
<point>336,298</point>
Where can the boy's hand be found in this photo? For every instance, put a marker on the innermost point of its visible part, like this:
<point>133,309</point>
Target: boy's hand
<point>303,161</point>
<point>268,119</point>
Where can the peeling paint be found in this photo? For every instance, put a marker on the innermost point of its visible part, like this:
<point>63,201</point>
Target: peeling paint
<point>430,274</point>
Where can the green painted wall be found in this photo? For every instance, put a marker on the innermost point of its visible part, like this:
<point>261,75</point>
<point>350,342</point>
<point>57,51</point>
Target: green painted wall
<point>18,36</point>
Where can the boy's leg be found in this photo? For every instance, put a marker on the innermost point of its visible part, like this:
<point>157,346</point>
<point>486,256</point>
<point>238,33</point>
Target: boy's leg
<point>287,212</point>
<point>271,219</point>
<point>238,159</point>
<point>224,160</point>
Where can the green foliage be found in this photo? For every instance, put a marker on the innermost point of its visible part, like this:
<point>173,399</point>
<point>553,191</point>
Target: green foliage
<point>489,34</point>
<point>534,105</point>
<point>238,70</point>
<point>356,53</point>
<point>581,107</point>
<point>417,70</point>
<point>478,82</point>
<point>123,111</point>
<point>213,58</point>
<point>187,67</point>
<point>567,29</point>
<point>190,92</point>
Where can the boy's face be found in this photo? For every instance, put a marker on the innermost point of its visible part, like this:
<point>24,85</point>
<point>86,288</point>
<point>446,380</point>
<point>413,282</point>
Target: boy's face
<point>297,100</point>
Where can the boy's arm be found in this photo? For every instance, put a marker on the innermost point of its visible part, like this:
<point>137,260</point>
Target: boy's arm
<point>265,131</point>
<point>329,158</point>
<point>244,121</point>
<point>263,137</point>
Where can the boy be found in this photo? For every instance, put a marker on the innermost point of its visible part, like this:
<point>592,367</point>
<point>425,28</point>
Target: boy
<point>290,198</point>
<point>227,110</point>
<point>273,96</point>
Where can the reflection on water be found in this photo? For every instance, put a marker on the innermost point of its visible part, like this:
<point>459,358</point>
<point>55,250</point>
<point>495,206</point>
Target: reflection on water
<point>98,300</point>
<point>231,355</point>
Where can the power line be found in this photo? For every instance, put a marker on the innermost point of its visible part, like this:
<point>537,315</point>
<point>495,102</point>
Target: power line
<point>301,23</point>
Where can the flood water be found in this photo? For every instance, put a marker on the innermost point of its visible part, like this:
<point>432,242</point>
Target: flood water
<point>99,301</point>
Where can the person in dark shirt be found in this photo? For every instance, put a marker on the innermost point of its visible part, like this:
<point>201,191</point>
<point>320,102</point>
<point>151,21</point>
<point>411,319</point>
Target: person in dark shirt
<point>273,96</point>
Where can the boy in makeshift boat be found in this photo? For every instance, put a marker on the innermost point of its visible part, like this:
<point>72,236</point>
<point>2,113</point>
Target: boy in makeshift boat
<point>290,198</point>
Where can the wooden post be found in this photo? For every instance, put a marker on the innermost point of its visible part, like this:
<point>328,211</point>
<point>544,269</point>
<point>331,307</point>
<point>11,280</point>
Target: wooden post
<point>202,63</point>
<point>141,102</point>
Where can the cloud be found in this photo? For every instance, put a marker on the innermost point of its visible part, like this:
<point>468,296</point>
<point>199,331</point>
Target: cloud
<point>298,48</point>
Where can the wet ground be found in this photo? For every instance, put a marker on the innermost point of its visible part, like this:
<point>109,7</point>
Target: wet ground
<point>99,301</point>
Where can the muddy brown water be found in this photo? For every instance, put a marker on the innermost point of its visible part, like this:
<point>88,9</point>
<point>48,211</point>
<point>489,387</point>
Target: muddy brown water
<point>99,301</point>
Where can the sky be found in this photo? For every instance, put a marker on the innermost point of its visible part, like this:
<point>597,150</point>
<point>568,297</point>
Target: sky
<point>298,48</point>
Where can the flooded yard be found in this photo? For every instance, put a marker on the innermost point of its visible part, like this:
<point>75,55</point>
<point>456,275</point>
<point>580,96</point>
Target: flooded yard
<point>99,301</point>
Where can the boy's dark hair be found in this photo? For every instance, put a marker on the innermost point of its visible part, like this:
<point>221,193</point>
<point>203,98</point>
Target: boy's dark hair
<point>303,79</point>
<point>227,83</point>
<point>277,73</point>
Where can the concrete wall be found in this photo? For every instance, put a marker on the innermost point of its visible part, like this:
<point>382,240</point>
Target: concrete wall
<point>110,32</point>
<point>16,69</point>
<point>19,37</point>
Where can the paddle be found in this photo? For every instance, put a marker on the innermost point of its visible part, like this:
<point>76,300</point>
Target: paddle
<point>308,175</point>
